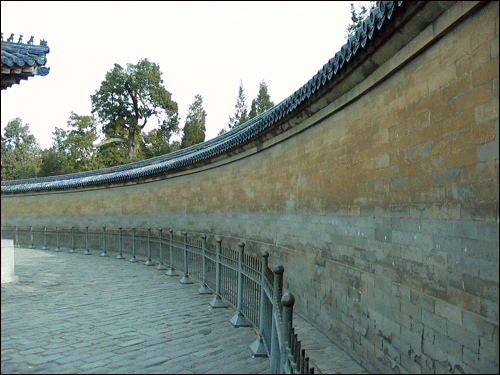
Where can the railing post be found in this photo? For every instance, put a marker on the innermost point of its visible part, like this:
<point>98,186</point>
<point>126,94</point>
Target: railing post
<point>16,237</point>
<point>204,288</point>
<point>217,301</point>
<point>73,247</point>
<point>287,302</point>
<point>258,348</point>
<point>149,262</point>
<point>31,238</point>
<point>185,279</point>
<point>133,259</point>
<point>161,266</point>
<point>57,240</point>
<point>104,253</point>
<point>120,255</point>
<point>87,250</point>
<point>238,319</point>
<point>171,271</point>
<point>276,318</point>
<point>45,239</point>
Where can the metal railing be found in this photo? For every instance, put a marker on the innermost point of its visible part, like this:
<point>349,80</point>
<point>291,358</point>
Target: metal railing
<point>236,278</point>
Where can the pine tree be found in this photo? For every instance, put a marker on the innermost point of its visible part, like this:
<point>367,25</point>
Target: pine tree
<point>262,102</point>
<point>240,110</point>
<point>194,127</point>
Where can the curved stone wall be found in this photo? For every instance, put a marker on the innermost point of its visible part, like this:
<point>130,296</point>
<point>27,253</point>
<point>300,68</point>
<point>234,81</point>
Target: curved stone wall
<point>381,203</point>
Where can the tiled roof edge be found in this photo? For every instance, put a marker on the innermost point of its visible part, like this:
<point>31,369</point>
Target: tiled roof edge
<point>379,16</point>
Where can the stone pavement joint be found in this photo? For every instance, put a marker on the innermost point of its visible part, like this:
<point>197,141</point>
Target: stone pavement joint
<point>74,313</point>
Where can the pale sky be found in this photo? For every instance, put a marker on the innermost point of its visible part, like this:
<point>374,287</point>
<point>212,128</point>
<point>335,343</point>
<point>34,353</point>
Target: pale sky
<point>202,48</point>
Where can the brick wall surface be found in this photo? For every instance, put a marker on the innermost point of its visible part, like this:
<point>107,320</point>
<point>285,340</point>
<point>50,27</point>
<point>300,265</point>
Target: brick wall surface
<point>384,214</point>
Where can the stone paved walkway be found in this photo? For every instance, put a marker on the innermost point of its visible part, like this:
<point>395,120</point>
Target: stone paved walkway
<point>71,313</point>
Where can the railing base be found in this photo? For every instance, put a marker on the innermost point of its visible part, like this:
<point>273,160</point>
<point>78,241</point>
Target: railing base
<point>204,290</point>
<point>171,272</point>
<point>45,248</point>
<point>258,348</point>
<point>119,256</point>
<point>72,251</point>
<point>239,320</point>
<point>104,254</point>
<point>133,259</point>
<point>217,303</point>
<point>161,267</point>
<point>149,262</point>
<point>186,280</point>
<point>57,249</point>
<point>87,252</point>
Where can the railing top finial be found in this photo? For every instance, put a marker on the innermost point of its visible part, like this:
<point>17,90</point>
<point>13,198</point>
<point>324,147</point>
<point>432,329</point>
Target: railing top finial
<point>288,299</point>
<point>278,270</point>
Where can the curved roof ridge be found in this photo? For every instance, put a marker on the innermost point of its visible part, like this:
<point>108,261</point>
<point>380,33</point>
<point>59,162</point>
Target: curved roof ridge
<point>229,140</point>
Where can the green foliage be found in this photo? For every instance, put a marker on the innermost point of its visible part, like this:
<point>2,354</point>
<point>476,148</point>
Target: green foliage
<point>157,143</point>
<point>21,153</point>
<point>80,142</point>
<point>72,150</point>
<point>240,110</point>
<point>54,163</point>
<point>112,154</point>
<point>262,102</point>
<point>194,127</point>
<point>358,16</point>
<point>126,100</point>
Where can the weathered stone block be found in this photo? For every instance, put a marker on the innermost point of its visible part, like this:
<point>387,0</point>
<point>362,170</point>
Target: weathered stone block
<point>488,270</point>
<point>423,301</point>
<point>477,324</point>
<point>448,311</point>
<point>486,250</point>
<point>464,336</point>
<point>488,349</point>
<point>434,321</point>
<point>414,339</point>
<point>489,308</point>
<point>462,229</point>
<point>488,151</point>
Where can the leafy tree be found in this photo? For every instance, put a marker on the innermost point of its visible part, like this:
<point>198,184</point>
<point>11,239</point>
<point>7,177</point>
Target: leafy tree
<point>358,16</point>
<point>127,99</point>
<point>112,154</point>
<point>72,150</point>
<point>262,102</point>
<point>157,142</point>
<point>194,127</point>
<point>21,152</point>
<point>79,142</point>
<point>240,110</point>
<point>54,163</point>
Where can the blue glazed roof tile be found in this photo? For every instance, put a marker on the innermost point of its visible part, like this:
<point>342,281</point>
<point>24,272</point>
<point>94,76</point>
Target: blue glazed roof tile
<point>21,61</point>
<point>216,146</point>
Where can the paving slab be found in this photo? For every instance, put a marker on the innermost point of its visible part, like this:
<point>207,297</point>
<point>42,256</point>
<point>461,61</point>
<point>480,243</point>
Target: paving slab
<point>74,313</point>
